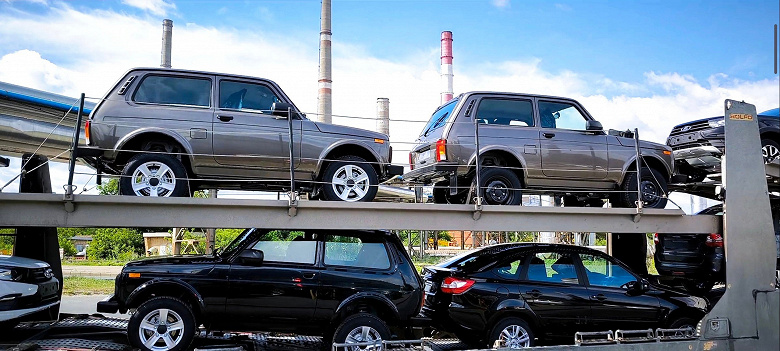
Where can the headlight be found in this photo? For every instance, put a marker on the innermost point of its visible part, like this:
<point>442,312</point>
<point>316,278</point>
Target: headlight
<point>9,274</point>
<point>714,123</point>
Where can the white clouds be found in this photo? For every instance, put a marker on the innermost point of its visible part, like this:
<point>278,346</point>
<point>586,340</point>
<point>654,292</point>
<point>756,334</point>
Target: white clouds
<point>155,7</point>
<point>29,68</point>
<point>502,4</point>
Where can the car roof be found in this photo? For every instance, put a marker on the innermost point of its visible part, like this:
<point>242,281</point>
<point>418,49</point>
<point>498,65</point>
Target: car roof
<point>178,70</point>
<point>518,94</point>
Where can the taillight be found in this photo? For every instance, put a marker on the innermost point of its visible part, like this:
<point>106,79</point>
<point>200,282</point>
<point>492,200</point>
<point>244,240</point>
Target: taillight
<point>655,238</point>
<point>456,286</point>
<point>87,127</point>
<point>714,240</point>
<point>411,164</point>
<point>441,150</point>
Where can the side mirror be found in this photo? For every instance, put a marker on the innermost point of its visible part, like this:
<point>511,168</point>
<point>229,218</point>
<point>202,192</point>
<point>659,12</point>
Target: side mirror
<point>593,125</point>
<point>280,109</point>
<point>251,257</point>
<point>635,288</point>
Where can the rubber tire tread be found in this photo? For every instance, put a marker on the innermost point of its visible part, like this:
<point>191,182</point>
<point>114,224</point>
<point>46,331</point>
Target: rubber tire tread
<point>182,188</point>
<point>496,331</point>
<point>677,323</point>
<point>765,142</point>
<point>491,172</point>
<point>328,194</point>
<point>627,197</point>
<point>358,320</point>
<point>182,308</point>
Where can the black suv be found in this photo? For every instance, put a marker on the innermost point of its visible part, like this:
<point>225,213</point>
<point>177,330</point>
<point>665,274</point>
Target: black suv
<point>698,145</point>
<point>516,293</point>
<point>351,286</point>
<point>700,258</point>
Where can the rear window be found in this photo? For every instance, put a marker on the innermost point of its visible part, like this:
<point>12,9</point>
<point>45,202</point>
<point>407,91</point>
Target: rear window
<point>440,117</point>
<point>348,251</point>
<point>169,90</point>
<point>506,112</point>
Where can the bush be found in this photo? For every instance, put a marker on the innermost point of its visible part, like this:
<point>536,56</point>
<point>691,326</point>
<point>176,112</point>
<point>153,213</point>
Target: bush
<point>116,244</point>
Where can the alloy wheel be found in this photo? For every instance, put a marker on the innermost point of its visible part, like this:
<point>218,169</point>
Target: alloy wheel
<point>161,329</point>
<point>364,334</point>
<point>350,183</point>
<point>770,153</point>
<point>153,179</point>
<point>514,337</point>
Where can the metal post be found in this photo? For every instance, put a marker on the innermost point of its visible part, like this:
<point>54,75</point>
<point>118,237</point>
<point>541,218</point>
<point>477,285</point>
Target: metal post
<point>167,43</point>
<point>478,206</point>
<point>293,194</point>
<point>211,233</point>
<point>639,199</point>
<point>462,240</point>
<point>73,148</point>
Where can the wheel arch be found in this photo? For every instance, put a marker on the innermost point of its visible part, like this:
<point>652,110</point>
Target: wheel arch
<point>167,287</point>
<point>514,161</point>
<point>372,303</point>
<point>516,309</point>
<point>347,148</point>
<point>651,161</point>
<point>684,312</point>
<point>135,140</point>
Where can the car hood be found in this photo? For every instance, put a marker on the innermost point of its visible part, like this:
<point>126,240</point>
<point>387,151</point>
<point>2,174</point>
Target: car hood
<point>351,131</point>
<point>22,262</point>
<point>171,261</point>
<point>677,297</point>
<point>643,144</point>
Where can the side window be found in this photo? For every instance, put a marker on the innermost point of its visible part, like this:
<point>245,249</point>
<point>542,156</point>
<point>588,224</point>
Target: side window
<point>174,91</point>
<point>509,269</point>
<point>602,272</point>
<point>560,115</point>
<point>506,112</point>
<point>552,267</point>
<point>354,252</point>
<point>246,96</point>
<point>287,247</point>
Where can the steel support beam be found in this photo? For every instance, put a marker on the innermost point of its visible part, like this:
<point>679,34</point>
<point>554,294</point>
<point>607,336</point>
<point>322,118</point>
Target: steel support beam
<point>127,211</point>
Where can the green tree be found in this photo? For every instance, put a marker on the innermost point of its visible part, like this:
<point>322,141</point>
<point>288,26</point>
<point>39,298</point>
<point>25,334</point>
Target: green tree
<point>116,244</point>
<point>109,187</point>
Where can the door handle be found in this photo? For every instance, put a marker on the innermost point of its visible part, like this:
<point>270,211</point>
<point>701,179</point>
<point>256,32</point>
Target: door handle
<point>225,118</point>
<point>309,275</point>
<point>534,293</point>
<point>599,297</point>
<point>548,135</point>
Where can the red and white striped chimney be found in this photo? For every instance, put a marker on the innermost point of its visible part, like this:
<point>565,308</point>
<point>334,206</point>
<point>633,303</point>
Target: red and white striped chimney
<point>446,66</point>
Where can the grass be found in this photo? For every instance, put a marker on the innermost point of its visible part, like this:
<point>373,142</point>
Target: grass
<point>68,262</point>
<point>87,286</point>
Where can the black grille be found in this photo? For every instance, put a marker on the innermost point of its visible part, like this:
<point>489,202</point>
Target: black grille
<point>38,275</point>
<point>693,127</point>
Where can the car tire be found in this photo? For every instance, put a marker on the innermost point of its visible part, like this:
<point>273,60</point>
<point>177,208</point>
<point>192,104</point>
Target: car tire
<point>500,186</point>
<point>770,149</point>
<point>654,189</point>
<point>155,175</point>
<point>684,322</point>
<point>514,333</point>
<point>350,179</point>
<point>147,331</point>
<point>361,327</point>
<point>441,194</point>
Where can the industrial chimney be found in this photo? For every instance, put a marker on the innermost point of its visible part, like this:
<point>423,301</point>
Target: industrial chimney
<point>324,100</point>
<point>165,60</point>
<point>446,66</point>
<point>383,116</point>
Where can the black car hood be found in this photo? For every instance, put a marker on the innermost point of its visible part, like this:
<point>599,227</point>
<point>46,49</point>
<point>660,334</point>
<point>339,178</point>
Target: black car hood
<point>677,297</point>
<point>174,261</point>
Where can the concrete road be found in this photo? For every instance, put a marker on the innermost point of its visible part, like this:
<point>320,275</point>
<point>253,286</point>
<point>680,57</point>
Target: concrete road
<point>85,304</point>
<point>107,272</point>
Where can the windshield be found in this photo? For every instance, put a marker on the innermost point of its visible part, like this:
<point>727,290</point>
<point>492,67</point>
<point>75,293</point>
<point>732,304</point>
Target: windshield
<point>236,243</point>
<point>440,117</point>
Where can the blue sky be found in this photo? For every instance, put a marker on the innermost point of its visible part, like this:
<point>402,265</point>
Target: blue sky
<point>633,64</point>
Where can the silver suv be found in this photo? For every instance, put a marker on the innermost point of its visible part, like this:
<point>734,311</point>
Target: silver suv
<point>541,143</point>
<point>169,132</point>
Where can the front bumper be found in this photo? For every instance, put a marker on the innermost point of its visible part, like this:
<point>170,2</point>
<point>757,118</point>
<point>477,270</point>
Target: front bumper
<point>427,173</point>
<point>108,305</point>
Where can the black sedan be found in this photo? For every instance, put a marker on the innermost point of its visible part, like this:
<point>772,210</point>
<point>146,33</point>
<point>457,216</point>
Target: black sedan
<point>518,293</point>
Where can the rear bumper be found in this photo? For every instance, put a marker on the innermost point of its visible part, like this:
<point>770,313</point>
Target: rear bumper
<point>433,171</point>
<point>710,267</point>
<point>393,170</point>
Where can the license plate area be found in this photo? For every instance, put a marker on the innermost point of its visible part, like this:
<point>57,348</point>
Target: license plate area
<point>49,288</point>
<point>684,138</point>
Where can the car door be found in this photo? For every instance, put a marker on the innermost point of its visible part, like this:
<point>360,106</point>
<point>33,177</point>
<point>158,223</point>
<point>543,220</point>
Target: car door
<point>246,134</point>
<point>354,264</point>
<point>279,292</point>
<point>568,151</point>
<point>505,123</point>
<point>613,305</point>
<point>553,289</point>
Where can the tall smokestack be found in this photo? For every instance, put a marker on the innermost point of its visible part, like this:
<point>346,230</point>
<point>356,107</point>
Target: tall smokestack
<point>446,66</point>
<point>165,60</point>
<point>324,97</point>
<point>383,116</point>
